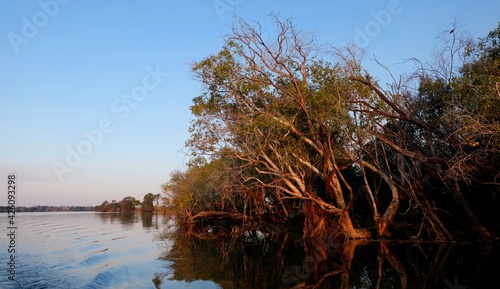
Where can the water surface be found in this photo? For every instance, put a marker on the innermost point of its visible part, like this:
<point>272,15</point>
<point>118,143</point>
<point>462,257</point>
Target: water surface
<point>90,250</point>
<point>111,250</point>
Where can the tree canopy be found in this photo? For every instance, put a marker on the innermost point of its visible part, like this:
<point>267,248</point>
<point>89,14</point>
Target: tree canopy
<point>286,131</point>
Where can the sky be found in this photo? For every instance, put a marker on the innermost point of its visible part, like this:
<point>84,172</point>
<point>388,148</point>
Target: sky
<point>95,95</point>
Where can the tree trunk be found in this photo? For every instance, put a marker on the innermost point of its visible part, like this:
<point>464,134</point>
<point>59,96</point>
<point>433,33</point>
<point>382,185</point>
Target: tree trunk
<point>348,229</point>
<point>383,222</point>
<point>333,185</point>
<point>319,223</point>
<point>316,220</point>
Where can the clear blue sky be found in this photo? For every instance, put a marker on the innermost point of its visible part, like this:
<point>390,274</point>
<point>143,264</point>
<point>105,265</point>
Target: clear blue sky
<point>69,67</point>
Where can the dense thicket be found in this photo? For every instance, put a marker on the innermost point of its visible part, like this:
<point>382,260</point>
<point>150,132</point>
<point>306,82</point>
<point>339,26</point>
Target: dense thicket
<point>286,132</point>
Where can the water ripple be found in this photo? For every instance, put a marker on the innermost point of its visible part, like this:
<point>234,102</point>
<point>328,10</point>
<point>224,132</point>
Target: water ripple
<point>83,250</point>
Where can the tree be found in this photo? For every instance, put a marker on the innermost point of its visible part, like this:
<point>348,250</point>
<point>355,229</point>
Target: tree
<point>281,112</point>
<point>147,203</point>
<point>103,207</point>
<point>156,200</point>
<point>283,124</point>
<point>127,204</point>
<point>204,187</point>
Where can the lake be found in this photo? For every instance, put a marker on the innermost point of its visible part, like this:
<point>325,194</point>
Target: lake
<point>112,250</point>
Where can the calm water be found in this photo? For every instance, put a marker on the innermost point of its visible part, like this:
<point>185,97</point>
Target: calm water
<point>90,250</point>
<point>106,250</point>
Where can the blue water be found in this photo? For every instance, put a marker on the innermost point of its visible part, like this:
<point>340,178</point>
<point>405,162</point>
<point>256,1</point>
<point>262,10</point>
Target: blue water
<point>89,250</point>
<point>110,250</point>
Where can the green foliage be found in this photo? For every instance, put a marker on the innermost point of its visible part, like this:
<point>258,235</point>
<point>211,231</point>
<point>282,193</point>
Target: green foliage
<point>199,188</point>
<point>127,204</point>
<point>147,203</point>
<point>280,116</point>
<point>473,112</point>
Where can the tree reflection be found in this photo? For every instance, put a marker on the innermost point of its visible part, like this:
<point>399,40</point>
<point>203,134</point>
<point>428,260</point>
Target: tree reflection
<point>125,218</point>
<point>147,219</point>
<point>258,260</point>
<point>157,280</point>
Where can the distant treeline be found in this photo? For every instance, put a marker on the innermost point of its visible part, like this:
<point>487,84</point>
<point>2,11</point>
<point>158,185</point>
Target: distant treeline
<point>4,209</point>
<point>150,203</point>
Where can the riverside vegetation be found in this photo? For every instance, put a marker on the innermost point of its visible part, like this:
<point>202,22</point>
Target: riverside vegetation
<point>291,135</point>
<point>130,204</point>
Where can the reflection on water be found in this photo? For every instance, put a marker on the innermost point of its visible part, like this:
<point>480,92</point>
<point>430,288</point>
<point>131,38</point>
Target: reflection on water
<point>112,250</point>
<point>257,260</point>
<point>89,250</point>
